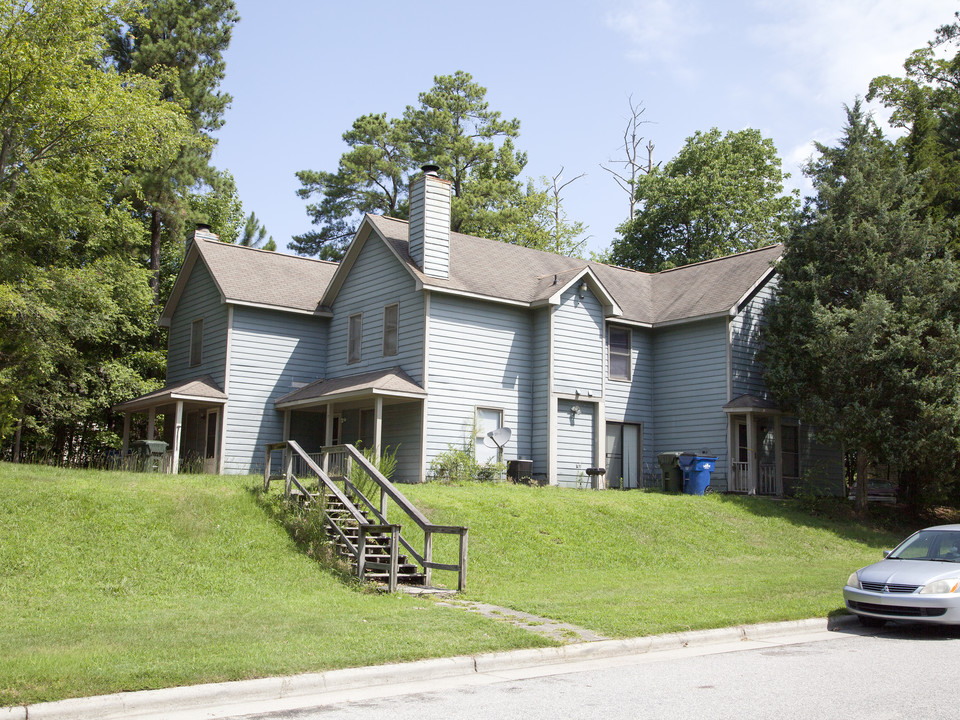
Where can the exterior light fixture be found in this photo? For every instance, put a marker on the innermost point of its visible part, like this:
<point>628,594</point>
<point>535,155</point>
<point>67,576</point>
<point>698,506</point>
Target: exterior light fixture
<point>583,290</point>
<point>575,410</point>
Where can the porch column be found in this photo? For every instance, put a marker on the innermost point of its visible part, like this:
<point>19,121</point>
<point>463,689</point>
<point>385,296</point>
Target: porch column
<point>777,453</point>
<point>151,423</point>
<point>328,440</point>
<point>751,455</point>
<point>125,448</point>
<point>177,435</point>
<point>286,425</point>
<point>377,425</point>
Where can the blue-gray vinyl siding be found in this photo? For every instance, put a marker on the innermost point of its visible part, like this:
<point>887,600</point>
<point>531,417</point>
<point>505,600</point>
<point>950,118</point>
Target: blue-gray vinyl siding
<point>631,401</point>
<point>401,433</point>
<point>200,299</point>
<point>575,442</point>
<point>745,328</point>
<point>270,352</point>
<point>480,356</point>
<point>690,390</point>
<point>376,280</point>
<point>541,403</point>
<point>578,345</point>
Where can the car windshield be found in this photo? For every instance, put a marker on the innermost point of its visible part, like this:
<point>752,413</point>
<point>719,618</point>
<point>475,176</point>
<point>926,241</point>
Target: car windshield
<point>941,545</point>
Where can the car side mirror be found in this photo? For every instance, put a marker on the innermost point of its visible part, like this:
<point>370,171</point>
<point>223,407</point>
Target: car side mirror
<point>886,553</point>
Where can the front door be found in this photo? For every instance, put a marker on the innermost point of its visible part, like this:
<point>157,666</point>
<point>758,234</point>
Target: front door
<point>211,445</point>
<point>623,455</point>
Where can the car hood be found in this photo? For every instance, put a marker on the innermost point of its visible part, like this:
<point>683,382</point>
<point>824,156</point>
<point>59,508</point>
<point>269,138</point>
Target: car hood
<point>909,572</point>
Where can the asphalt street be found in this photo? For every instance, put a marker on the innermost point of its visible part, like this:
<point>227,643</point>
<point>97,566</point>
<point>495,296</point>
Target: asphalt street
<point>896,672</point>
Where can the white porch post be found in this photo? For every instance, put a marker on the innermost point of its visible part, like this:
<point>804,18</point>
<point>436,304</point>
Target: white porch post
<point>751,454</point>
<point>377,425</point>
<point>125,448</point>
<point>286,425</point>
<point>328,440</point>
<point>778,453</point>
<point>177,435</point>
<point>151,423</point>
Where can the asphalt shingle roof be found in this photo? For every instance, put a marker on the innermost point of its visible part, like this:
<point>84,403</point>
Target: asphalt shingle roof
<point>509,272</point>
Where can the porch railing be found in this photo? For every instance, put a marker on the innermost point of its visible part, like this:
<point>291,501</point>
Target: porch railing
<point>741,482</point>
<point>740,478</point>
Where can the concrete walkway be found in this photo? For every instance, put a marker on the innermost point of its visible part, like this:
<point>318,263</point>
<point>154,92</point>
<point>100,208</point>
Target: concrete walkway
<point>562,632</point>
<point>247,697</point>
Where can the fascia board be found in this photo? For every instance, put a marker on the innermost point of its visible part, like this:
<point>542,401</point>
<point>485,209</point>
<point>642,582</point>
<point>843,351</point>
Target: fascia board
<point>282,308</point>
<point>609,304</point>
<point>753,288</point>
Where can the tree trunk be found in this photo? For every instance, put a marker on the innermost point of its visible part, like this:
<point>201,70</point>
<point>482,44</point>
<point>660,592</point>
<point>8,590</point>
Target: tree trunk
<point>860,503</point>
<point>16,440</point>
<point>155,237</point>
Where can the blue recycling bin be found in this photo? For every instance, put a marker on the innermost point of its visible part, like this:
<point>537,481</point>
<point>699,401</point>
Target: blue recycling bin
<point>696,473</point>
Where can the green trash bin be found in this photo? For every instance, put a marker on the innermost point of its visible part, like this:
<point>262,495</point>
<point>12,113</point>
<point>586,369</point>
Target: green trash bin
<point>671,471</point>
<point>149,454</point>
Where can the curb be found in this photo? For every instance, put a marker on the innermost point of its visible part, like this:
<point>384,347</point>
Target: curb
<point>198,697</point>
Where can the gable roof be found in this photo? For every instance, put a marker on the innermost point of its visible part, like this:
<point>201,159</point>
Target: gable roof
<point>256,278</point>
<point>499,271</point>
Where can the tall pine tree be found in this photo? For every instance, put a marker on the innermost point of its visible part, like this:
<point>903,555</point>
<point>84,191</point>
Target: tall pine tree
<point>181,43</point>
<point>863,338</point>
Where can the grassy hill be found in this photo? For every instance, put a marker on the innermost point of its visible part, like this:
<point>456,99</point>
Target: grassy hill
<point>115,581</point>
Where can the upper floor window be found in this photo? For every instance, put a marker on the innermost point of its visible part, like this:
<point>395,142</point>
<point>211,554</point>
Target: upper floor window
<point>196,342</point>
<point>620,344</point>
<point>391,325</point>
<point>354,335</point>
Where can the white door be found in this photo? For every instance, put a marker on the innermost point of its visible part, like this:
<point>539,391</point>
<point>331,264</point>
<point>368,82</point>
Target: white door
<point>488,420</point>
<point>211,450</point>
<point>623,455</point>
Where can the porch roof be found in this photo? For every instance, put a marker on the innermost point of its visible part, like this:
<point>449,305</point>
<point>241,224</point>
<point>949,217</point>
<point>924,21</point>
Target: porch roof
<point>393,382</point>
<point>751,403</point>
<point>199,389</point>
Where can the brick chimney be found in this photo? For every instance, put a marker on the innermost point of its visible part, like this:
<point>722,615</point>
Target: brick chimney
<point>430,222</point>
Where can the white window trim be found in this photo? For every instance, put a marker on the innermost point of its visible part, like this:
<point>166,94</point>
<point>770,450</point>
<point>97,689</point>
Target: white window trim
<point>359,338</point>
<point>611,353</point>
<point>396,337</point>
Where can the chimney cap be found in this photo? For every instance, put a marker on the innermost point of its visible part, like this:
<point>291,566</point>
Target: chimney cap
<point>203,226</point>
<point>430,169</point>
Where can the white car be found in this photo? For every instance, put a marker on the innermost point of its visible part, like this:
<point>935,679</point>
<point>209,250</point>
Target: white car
<point>918,581</point>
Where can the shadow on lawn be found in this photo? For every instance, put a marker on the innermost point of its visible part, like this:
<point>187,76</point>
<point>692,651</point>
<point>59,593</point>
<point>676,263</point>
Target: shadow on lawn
<point>883,525</point>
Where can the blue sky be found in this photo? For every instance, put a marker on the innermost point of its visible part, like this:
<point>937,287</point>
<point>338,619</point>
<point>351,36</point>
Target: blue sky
<point>300,72</point>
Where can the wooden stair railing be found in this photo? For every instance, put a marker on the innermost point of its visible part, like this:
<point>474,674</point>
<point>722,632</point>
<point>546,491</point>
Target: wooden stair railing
<point>362,539</point>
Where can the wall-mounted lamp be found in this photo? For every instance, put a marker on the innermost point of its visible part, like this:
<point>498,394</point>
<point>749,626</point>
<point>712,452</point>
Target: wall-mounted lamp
<point>574,409</point>
<point>583,290</point>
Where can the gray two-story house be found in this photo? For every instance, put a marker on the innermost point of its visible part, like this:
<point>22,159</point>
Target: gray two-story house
<point>422,338</point>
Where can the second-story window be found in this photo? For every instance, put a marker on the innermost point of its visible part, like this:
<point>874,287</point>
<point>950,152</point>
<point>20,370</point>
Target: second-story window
<point>196,342</point>
<point>391,325</point>
<point>354,336</point>
<point>619,353</point>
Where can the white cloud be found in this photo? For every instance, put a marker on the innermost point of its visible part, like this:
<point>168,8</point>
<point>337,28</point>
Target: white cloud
<point>657,29</point>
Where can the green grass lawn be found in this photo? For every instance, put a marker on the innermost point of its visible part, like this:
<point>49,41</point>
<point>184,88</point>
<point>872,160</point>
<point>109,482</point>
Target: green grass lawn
<point>637,563</point>
<point>114,581</point>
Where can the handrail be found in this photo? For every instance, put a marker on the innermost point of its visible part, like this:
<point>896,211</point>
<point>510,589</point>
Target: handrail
<point>429,529</point>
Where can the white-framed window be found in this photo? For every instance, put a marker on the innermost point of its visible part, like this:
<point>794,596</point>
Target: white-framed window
<point>620,343</point>
<point>354,338</point>
<point>196,342</point>
<point>391,330</point>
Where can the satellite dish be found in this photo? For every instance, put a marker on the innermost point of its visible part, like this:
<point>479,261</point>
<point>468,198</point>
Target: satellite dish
<point>498,438</point>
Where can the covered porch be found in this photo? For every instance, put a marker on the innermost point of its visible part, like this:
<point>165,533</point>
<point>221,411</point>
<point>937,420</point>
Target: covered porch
<point>755,446</point>
<point>192,427</point>
<point>383,410</point>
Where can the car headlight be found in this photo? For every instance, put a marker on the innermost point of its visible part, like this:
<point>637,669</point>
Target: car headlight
<point>939,587</point>
<point>854,580</point>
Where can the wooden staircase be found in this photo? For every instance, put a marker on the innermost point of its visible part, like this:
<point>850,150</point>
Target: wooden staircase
<point>376,545</point>
<point>357,528</point>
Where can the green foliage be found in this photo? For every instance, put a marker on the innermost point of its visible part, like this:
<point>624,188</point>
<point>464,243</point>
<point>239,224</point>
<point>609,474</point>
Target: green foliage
<point>386,463</point>
<point>75,309</point>
<point>863,337</point>
<point>719,195</point>
<point>458,465</point>
<point>452,127</point>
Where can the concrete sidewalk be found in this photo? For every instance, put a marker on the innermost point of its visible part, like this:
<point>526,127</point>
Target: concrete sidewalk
<point>231,699</point>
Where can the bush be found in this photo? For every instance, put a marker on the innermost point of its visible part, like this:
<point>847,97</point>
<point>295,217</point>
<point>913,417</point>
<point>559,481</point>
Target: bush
<point>460,465</point>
